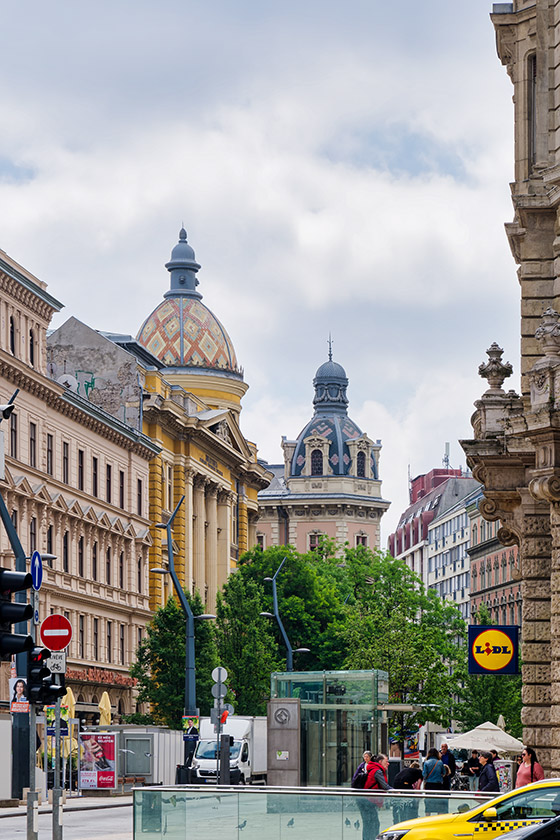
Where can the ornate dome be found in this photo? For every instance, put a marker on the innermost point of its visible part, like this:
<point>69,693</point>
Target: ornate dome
<point>181,331</point>
<point>330,421</point>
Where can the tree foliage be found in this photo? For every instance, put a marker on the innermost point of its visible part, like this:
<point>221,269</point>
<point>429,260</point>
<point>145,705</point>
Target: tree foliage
<point>246,644</point>
<point>160,664</point>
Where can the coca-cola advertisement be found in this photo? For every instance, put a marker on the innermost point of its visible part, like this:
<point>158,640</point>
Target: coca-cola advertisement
<point>98,757</point>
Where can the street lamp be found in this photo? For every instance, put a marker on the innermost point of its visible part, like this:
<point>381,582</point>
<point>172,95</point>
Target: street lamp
<point>190,670</point>
<point>276,615</point>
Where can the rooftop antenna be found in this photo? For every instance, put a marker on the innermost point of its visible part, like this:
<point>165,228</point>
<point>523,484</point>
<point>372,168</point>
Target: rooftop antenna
<point>445,460</point>
<point>330,348</point>
<point>409,485</point>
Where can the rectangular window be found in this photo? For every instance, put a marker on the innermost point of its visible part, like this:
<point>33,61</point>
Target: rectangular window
<point>121,489</point>
<point>532,109</point>
<point>139,497</point>
<point>81,638</point>
<point>94,561</point>
<point>361,539</point>
<point>65,553</point>
<point>32,444</point>
<point>32,535</point>
<point>13,436</point>
<point>80,469</point>
<point>109,641</point>
<point>50,455</point>
<point>140,573</point>
<point>121,644</point>
<point>14,518</point>
<point>66,463</point>
<point>139,636</point>
<point>81,557</point>
<point>170,488</point>
<point>50,545</point>
<point>96,639</point>
<point>121,570</point>
<point>314,540</point>
<point>95,477</point>
<point>108,482</point>
<point>108,566</point>
<point>261,542</point>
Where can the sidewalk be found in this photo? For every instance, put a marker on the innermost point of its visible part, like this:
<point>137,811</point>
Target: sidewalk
<point>74,803</point>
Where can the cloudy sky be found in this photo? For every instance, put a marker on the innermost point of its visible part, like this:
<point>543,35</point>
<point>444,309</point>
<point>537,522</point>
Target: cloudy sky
<point>339,167</point>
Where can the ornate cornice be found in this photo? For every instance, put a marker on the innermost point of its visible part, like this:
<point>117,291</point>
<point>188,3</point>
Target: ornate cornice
<point>25,291</point>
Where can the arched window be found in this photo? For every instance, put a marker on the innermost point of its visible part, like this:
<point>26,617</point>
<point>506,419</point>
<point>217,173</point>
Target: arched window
<point>316,462</point>
<point>361,465</point>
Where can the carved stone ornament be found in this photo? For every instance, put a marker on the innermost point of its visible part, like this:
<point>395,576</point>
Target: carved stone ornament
<point>495,371</point>
<point>546,488</point>
<point>549,334</point>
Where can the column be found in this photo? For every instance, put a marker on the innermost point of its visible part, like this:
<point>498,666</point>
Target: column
<point>211,545</point>
<point>224,536</point>
<point>189,535</point>
<point>199,519</point>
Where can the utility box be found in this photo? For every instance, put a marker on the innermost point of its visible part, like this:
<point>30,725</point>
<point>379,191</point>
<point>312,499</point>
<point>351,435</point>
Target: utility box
<point>283,743</point>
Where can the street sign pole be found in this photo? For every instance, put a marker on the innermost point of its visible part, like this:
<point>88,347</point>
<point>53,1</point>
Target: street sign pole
<point>57,791</point>
<point>33,795</point>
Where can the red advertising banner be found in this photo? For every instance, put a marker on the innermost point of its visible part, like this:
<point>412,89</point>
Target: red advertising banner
<point>98,760</point>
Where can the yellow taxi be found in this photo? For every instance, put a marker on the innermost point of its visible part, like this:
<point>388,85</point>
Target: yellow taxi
<point>523,806</point>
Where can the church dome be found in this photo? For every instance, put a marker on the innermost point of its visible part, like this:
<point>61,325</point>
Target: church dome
<point>330,421</point>
<point>182,332</point>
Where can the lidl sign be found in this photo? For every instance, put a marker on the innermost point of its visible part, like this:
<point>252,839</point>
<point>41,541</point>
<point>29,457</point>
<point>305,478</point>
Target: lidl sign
<point>493,650</point>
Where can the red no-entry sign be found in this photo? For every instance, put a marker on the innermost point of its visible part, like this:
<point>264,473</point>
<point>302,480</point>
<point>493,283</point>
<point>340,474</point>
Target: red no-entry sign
<point>56,632</point>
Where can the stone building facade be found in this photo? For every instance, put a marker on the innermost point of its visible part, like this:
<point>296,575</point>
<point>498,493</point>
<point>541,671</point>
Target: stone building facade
<point>515,452</point>
<point>329,482</point>
<point>76,486</point>
<point>179,382</point>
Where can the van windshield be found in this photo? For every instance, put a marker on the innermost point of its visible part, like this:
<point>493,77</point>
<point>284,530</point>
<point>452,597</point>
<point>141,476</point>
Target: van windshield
<point>207,749</point>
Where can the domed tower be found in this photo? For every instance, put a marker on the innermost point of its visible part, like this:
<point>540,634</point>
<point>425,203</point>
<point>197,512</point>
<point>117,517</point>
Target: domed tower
<point>329,483</point>
<point>186,336</point>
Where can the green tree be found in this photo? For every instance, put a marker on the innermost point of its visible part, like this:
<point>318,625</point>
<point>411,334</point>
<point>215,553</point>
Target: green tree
<point>308,602</point>
<point>160,664</point>
<point>395,626</point>
<point>246,644</point>
<point>487,696</point>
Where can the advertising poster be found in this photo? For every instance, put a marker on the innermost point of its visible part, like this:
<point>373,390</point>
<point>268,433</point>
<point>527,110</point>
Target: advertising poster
<point>97,765</point>
<point>191,724</point>
<point>50,714</point>
<point>18,695</point>
<point>411,748</point>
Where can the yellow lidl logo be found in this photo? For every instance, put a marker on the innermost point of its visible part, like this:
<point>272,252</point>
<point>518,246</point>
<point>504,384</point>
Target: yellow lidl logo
<point>492,649</point>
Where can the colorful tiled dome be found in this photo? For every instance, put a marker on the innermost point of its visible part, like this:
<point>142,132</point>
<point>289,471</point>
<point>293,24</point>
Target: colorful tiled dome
<point>181,331</point>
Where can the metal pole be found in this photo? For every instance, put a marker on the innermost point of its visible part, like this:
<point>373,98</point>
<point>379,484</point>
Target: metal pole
<point>32,796</point>
<point>289,649</point>
<point>57,792</point>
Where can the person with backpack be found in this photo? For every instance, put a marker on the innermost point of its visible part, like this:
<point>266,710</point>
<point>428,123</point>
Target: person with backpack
<point>360,776</point>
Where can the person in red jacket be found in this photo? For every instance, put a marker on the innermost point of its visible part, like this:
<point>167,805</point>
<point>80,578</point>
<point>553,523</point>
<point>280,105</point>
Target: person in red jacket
<point>376,780</point>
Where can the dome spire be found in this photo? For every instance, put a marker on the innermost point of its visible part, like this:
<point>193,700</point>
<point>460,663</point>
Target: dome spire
<point>330,348</point>
<point>330,385</point>
<point>183,267</point>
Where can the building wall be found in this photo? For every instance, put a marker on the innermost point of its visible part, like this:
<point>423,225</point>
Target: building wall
<point>51,446</point>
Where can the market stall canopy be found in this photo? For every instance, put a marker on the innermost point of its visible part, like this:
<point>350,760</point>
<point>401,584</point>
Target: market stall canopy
<point>486,736</point>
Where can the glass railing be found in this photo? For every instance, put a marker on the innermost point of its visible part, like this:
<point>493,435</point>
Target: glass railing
<point>203,813</point>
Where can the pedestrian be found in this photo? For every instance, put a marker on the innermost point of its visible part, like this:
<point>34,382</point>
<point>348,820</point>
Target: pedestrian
<point>494,754</point>
<point>487,780</point>
<point>529,770</point>
<point>406,779</point>
<point>448,759</point>
<point>360,776</point>
<point>376,780</point>
<point>432,773</point>
<point>471,768</point>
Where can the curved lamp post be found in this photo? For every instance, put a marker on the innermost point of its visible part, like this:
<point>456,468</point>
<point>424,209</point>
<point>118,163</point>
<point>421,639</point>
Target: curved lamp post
<point>276,615</point>
<point>190,670</point>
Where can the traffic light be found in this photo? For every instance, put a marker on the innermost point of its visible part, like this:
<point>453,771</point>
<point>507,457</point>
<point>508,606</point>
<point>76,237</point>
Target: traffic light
<point>37,673</point>
<point>42,686</point>
<point>13,613</point>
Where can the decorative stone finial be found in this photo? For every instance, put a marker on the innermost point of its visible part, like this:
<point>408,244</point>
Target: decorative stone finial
<point>494,370</point>
<point>549,334</point>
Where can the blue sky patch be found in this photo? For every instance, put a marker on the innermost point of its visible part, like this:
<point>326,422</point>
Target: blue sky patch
<point>10,172</point>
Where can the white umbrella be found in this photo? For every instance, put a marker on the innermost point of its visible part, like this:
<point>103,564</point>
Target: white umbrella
<point>501,722</point>
<point>486,736</point>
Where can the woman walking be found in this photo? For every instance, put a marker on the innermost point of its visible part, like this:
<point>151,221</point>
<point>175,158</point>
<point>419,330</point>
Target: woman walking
<point>529,770</point>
